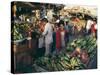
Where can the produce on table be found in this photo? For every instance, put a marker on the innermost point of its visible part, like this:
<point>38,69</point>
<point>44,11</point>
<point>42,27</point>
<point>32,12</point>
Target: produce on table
<point>18,31</point>
<point>86,47</point>
<point>88,43</point>
<point>59,63</point>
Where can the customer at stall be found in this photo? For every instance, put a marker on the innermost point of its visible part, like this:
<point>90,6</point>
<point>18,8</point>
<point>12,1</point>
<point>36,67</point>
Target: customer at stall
<point>66,26</point>
<point>88,26</point>
<point>58,39</point>
<point>62,36</point>
<point>93,29</point>
<point>47,33</point>
<point>41,38</point>
<point>74,30</point>
<point>54,40</point>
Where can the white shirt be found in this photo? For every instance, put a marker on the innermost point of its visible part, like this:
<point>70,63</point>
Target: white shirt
<point>96,26</point>
<point>63,39</point>
<point>50,15</point>
<point>89,23</point>
<point>41,42</point>
<point>48,33</point>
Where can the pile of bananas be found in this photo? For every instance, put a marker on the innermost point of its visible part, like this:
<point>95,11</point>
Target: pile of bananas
<point>88,43</point>
<point>60,63</point>
<point>18,31</point>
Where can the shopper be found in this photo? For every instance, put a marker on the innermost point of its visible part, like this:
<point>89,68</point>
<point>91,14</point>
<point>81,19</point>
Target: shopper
<point>93,29</point>
<point>47,33</point>
<point>66,27</point>
<point>41,38</point>
<point>58,39</point>
<point>62,36</point>
<point>54,39</point>
<point>74,30</point>
<point>88,25</point>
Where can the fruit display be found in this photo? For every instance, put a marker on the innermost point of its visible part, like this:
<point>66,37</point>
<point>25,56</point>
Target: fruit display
<point>85,43</point>
<point>64,61</point>
<point>18,31</point>
<point>60,63</point>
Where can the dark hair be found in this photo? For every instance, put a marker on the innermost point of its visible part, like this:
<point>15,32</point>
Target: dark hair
<point>61,22</point>
<point>44,19</point>
<point>67,22</point>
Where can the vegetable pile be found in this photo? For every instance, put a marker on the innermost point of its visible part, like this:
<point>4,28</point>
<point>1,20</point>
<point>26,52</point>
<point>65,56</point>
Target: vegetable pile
<point>60,63</point>
<point>85,43</point>
<point>18,31</point>
<point>64,61</point>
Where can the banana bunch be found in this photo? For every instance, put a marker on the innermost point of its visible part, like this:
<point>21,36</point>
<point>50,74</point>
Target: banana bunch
<point>24,26</point>
<point>88,43</point>
<point>61,63</point>
<point>17,32</point>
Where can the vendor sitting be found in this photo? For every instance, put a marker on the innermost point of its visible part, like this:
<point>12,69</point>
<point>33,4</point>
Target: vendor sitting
<point>82,54</point>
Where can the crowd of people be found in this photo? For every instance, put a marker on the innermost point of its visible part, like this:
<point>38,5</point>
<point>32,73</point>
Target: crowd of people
<point>54,37</point>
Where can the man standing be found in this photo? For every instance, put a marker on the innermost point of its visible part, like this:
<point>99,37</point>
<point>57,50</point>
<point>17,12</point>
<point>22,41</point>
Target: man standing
<point>47,33</point>
<point>88,26</point>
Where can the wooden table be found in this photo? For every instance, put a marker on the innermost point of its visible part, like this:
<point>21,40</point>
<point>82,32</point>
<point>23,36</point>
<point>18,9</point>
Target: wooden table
<point>20,50</point>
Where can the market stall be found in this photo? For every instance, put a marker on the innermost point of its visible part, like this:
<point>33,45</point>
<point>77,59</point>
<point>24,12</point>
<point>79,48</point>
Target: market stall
<point>27,29</point>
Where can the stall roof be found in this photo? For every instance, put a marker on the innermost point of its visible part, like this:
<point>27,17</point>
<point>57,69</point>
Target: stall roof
<point>35,5</point>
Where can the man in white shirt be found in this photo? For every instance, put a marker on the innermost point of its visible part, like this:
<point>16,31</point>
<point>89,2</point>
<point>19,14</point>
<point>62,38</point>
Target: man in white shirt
<point>88,26</point>
<point>48,31</point>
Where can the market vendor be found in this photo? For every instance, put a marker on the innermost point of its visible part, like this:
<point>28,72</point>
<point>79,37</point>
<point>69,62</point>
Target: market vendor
<point>82,54</point>
<point>47,33</point>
